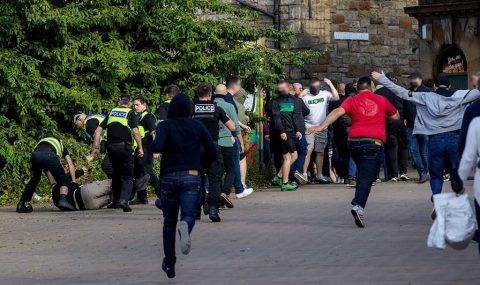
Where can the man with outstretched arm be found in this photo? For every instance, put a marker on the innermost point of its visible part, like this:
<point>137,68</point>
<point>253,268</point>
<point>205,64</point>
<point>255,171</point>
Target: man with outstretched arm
<point>366,138</point>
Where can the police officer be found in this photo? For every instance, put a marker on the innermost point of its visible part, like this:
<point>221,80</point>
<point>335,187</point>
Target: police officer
<point>144,165</point>
<point>89,123</point>
<point>46,157</point>
<point>207,112</point>
<point>123,138</point>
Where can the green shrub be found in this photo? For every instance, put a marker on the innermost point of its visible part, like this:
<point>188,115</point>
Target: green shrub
<point>58,57</point>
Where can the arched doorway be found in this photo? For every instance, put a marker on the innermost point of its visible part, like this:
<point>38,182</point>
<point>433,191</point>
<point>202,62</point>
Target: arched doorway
<point>452,61</point>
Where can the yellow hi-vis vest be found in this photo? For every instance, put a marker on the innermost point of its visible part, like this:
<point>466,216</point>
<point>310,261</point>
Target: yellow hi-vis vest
<point>100,118</point>
<point>120,115</point>
<point>141,129</point>
<point>57,144</point>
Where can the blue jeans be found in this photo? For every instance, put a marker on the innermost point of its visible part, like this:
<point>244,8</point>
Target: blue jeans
<point>442,154</point>
<point>301,146</point>
<point>367,156</point>
<point>352,169</point>
<point>418,147</point>
<point>179,191</point>
<point>237,183</point>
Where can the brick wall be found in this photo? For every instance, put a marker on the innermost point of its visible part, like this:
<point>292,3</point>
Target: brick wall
<point>392,45</point>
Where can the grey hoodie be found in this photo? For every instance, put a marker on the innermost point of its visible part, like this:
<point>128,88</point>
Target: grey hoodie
<point>436,114</point>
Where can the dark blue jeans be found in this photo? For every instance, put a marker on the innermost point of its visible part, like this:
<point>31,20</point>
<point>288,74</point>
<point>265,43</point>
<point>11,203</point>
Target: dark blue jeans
<point>418,147</point>
<point>179,191</point>
<point>301,146</point>
<point>442,154</point>
<point>236,160</point>
<point>368,157</point>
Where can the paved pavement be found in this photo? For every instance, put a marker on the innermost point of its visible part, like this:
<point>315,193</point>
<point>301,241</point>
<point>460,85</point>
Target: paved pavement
<point>302,237</point>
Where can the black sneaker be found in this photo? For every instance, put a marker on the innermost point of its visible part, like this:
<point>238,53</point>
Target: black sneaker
<point>424,177</point>
<point>169,270</point>
<point>64,205</point>
<point>213,215</point>
<point>24,207</point>
<point>225,200</point>
<point>124,205</point>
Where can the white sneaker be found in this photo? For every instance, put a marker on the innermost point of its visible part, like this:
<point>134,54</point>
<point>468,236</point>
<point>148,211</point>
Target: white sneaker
<point>185,241</point>
<point>246,192</point>
<point>359,215</point>
<point>302,178</point>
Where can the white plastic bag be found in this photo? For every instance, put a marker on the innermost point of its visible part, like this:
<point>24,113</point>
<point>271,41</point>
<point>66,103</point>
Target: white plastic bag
<point>459,222</point>
<point>455,222</point>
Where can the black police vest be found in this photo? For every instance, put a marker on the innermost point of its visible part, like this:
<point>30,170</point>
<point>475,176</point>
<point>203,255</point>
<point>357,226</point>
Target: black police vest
<point>206,113</point>
<point>203,111</point>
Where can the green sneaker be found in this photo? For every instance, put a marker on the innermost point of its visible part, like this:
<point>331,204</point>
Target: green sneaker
<point>277,180</point>
<point>288,187</point>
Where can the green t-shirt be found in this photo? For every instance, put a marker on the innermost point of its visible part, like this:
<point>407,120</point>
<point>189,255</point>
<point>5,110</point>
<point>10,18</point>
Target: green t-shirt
<point>225,135</point>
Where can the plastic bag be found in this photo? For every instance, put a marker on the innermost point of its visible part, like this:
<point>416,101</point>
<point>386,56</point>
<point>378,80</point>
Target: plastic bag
<point>455,222</point>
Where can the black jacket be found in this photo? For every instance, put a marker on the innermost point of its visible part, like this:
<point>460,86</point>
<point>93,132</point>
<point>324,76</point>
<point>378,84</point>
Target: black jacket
<point>287,115</point>
<point>343,124</point>
<point>180,139</point>
<point>410,109</point>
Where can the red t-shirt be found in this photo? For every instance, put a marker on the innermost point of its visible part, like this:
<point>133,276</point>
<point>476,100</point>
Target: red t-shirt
<point>367,111</point>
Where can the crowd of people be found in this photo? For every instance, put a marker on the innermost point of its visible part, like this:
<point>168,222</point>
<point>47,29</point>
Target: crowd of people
<point>319,135</point>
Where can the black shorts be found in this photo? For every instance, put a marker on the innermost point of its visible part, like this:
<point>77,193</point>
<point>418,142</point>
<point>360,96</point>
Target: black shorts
<point>287,146</point>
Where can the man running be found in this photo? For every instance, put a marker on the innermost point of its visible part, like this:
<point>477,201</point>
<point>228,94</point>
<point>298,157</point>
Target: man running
<point>366,138</point>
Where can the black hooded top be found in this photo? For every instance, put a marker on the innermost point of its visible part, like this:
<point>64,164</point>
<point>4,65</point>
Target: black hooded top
<point>179,139</point>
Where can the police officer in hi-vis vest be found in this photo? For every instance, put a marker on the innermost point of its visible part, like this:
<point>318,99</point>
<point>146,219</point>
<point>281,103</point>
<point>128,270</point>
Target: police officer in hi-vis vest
<point>147,123</point>
<point>89,123</point>
<point>46,157</point>
<point>123,138</point>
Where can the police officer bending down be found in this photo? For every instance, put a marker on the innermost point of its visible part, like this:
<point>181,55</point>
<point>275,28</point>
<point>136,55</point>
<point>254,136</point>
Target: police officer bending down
<point>122,139</point>
<point>46,156</point>
<point>89,123</point>
<point>207,112</point>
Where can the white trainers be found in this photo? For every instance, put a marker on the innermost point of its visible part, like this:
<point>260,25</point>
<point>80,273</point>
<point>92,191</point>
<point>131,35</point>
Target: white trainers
<point>246,192</point>
<point>185,241</point>
<point>302,178</point>
<point>359,215</point>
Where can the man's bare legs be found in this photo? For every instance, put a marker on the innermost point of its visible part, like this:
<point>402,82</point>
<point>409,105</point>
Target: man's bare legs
<point>307,160</point>
<point>288,160</point>
<point>319,163</point>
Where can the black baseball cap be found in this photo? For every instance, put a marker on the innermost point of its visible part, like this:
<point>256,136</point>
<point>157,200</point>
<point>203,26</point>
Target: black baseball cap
<point>391,75</point>
<point>415,74</point>
<point>441,79</point>
<point>125,97</point>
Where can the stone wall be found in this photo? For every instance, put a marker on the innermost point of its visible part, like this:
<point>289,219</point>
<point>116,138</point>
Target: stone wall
<point>392,46</point>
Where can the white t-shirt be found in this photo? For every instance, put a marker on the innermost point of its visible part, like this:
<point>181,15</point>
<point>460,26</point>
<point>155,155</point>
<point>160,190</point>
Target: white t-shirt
<point>318,105</point>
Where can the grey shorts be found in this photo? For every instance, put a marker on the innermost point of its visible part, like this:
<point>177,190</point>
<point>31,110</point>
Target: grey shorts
<point>317,141</point>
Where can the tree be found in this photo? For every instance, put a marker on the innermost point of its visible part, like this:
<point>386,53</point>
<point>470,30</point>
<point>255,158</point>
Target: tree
<point>58,57</point>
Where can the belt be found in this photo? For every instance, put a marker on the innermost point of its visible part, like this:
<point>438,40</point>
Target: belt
<point>372,140</point>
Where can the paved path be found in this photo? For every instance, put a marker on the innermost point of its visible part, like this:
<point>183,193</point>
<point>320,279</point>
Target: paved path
<point>303,237</point>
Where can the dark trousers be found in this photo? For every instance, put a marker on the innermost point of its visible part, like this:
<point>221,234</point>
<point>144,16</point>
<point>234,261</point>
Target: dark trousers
<point>144,165</point>
<point>47,161</point>
<point>368,157</point>
<point>215,173</point>
<point>179,191</point>
<point>229,166</point>
<point>341,155</point>
<point>121,157</point>
<point>477,212</point>
<point>396,152</point>
<point>107,167</point>
<point>442,154</point>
